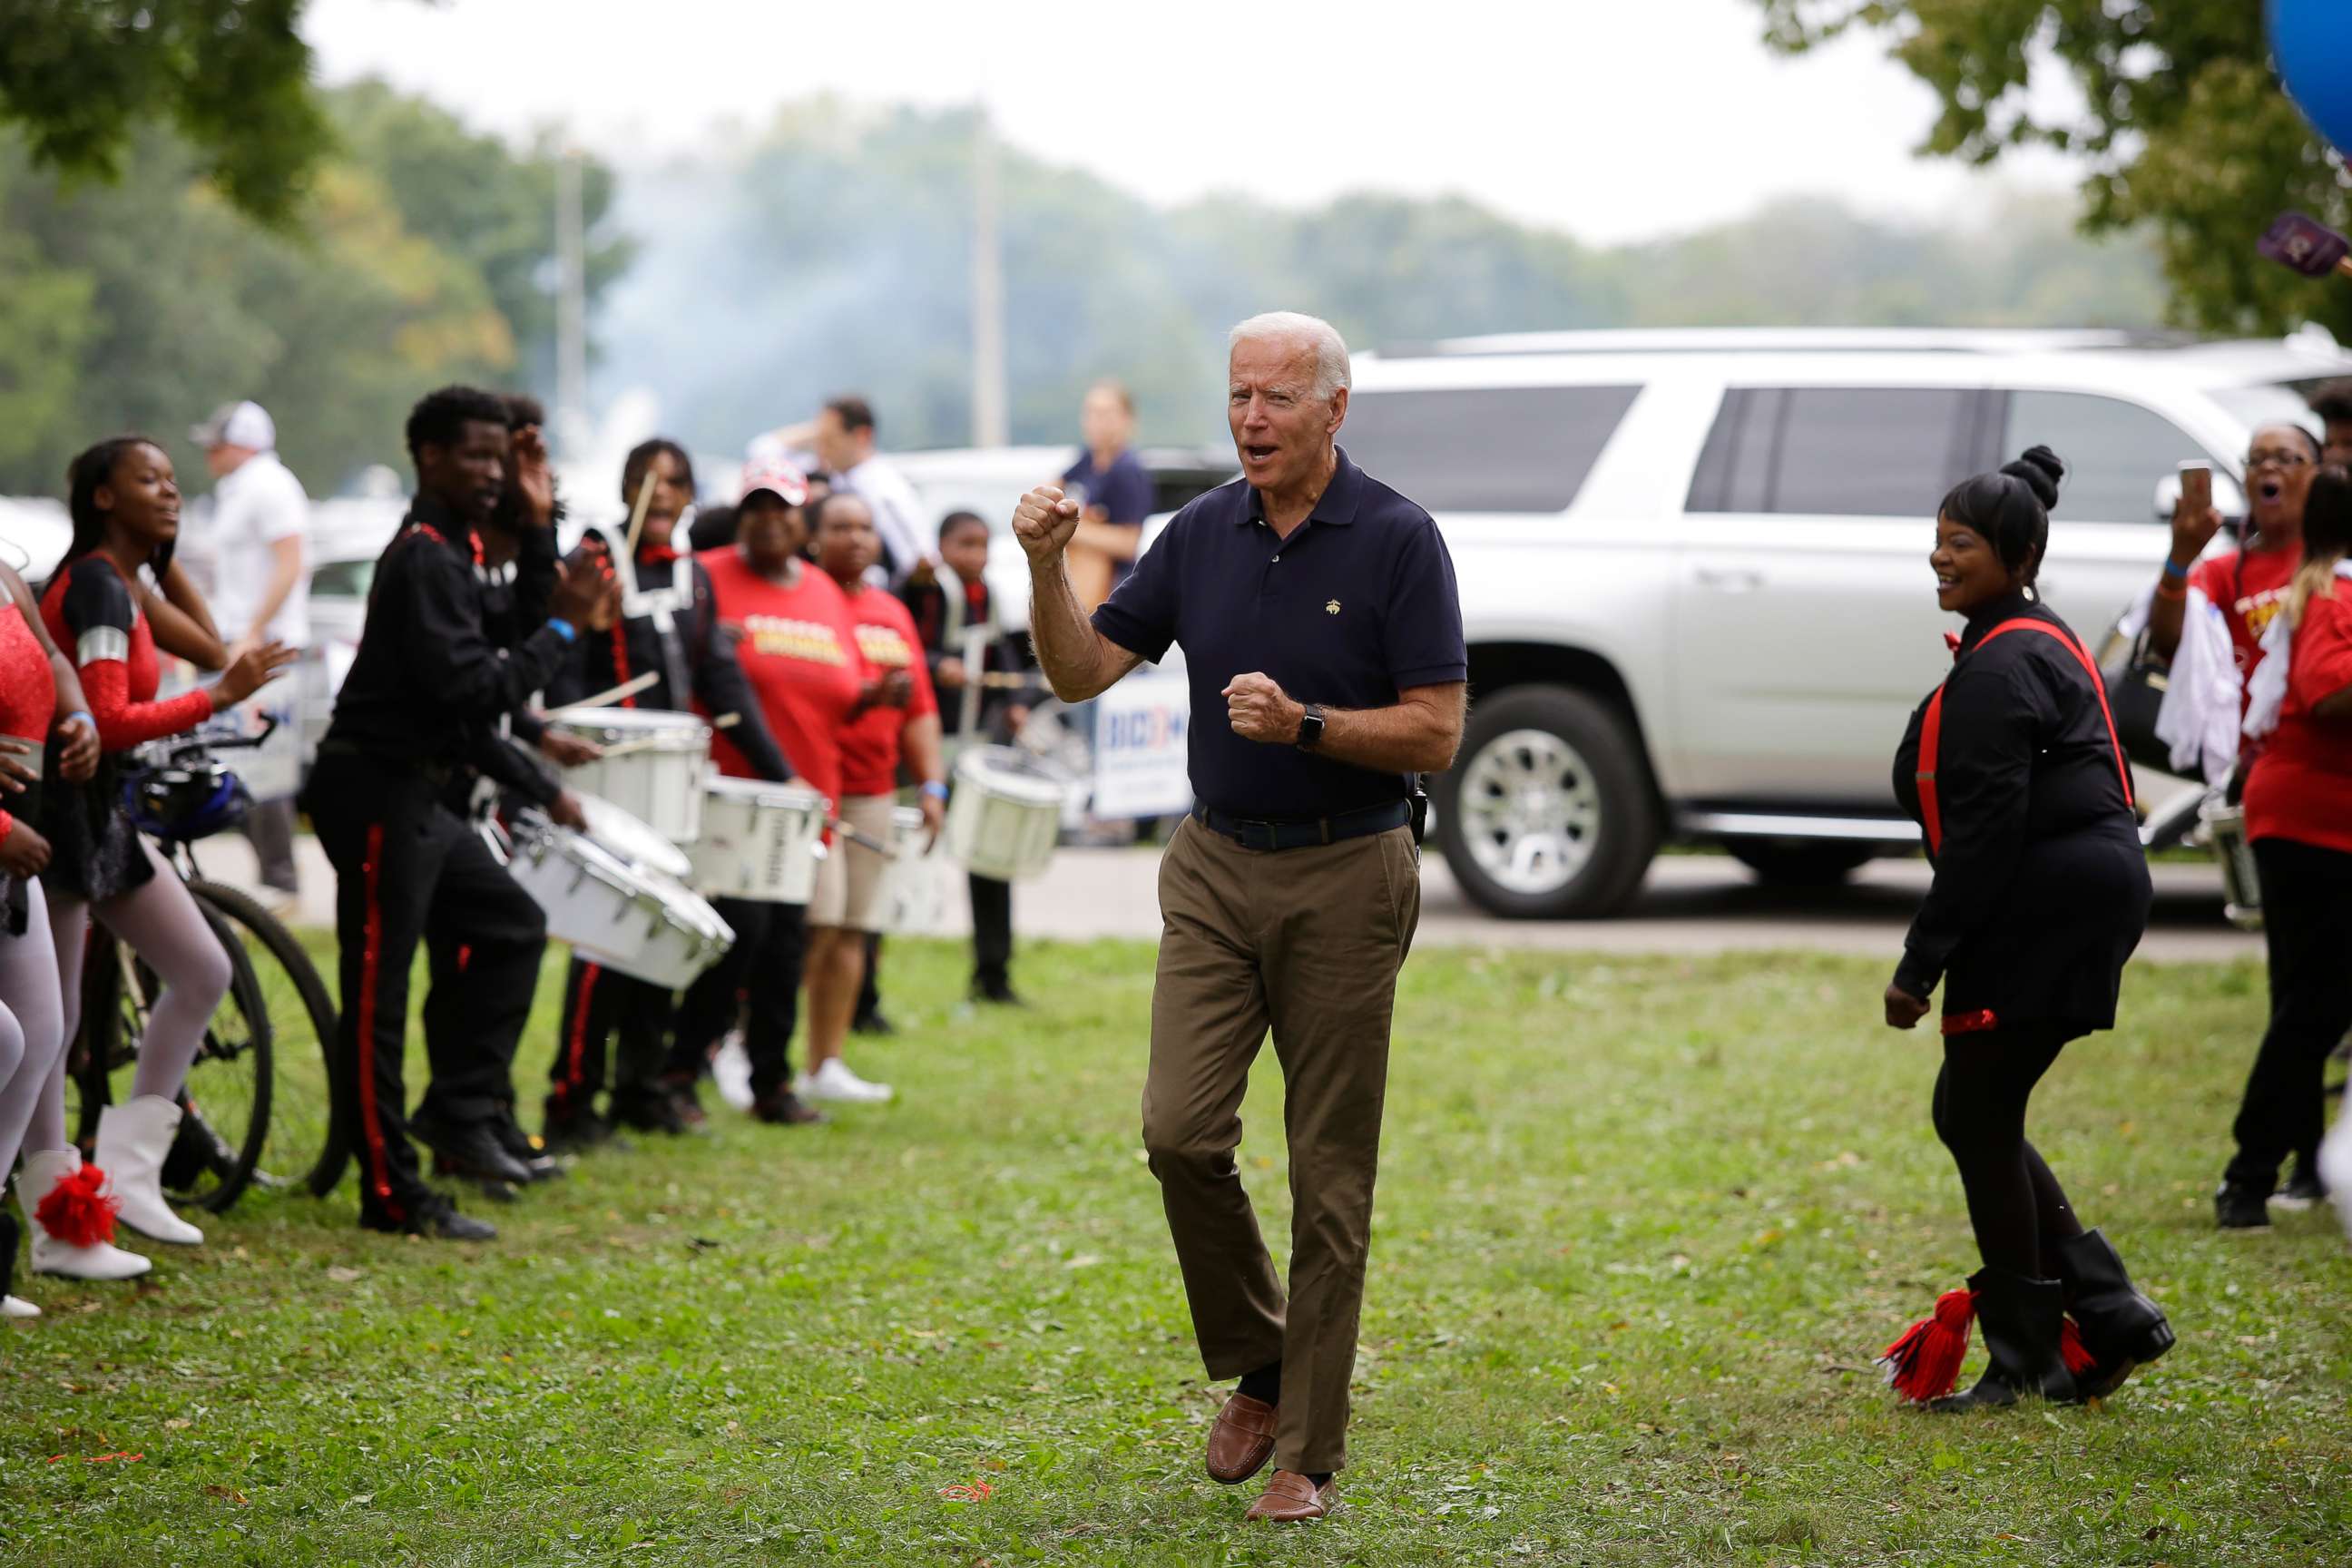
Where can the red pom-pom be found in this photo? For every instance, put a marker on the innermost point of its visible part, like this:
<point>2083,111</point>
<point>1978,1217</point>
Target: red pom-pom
<point>1924,1363</point>
<point>2079,1359</point>
<point>79,1211</point>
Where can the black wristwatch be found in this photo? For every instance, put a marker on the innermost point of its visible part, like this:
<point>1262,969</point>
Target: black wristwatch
<point>1310,727</point>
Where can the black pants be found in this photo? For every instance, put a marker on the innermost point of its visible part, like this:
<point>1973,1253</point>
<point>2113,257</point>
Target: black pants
<point>761,974</point>
<point>2307,922</point>
<point>991,933</point>
<point>2016,1206</point>
<point>598,1003</point>
<point>870,989</point>
<point>405,866</point>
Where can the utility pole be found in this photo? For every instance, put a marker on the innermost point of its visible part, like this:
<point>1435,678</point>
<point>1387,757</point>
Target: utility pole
<point>990,424</point>
<point>572,426</point>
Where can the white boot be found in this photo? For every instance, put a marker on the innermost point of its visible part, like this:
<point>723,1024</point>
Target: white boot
<point>89,1214</point>
<point>17,1307</point>
<point>132,1138</point>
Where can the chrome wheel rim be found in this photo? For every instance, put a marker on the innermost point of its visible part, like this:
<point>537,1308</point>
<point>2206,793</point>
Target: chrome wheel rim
<point>1530,811</point>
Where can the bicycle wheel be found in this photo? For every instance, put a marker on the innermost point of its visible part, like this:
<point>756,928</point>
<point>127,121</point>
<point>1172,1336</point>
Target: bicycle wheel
<point>224,1102</point>
<point>309,1140</point>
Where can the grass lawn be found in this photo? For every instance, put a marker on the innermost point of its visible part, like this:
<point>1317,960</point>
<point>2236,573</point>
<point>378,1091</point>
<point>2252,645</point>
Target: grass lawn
<point>1642,1225</point>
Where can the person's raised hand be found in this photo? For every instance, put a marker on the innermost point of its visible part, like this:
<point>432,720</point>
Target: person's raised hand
<point>581,593</point>
<point>78,753</point>
<point>249,672</point>
<point>1258,711</point>
<point>1044,522</point>
<point>24,853</point>
<point>1903,1010</point>
<point>2193,528</point>
<point>534,475</point>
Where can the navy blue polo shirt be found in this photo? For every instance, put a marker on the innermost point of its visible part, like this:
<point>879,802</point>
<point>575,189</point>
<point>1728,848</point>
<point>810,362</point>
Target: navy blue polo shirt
<point>1355,605</point>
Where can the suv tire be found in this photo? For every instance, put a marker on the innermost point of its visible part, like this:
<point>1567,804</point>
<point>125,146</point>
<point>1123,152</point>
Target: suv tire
<point>1800,863</point>
<point>1548,813</point>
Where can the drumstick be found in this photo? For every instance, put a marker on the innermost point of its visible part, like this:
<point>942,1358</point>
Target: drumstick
<point>626,688</point>
<point>727,721</point>
<point>863,840</point>
<point>637,514</point>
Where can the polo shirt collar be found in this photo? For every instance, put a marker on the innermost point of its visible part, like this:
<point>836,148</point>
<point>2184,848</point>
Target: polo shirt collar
<point>1337,505</point>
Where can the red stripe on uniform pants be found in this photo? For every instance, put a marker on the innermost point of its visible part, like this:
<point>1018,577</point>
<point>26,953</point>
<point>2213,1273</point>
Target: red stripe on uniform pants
<point>1931,729</point>
<point>371,955</point>
<point>588,972</point>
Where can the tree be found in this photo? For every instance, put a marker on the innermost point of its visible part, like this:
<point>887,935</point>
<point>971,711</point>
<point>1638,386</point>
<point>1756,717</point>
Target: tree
<point>2179,120</point>
<point>81,77</point>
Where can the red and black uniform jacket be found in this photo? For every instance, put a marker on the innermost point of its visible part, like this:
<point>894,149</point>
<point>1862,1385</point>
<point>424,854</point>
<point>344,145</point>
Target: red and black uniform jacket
<point>930,605</point>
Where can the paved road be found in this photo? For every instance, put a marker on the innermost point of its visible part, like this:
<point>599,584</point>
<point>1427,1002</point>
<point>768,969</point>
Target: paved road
<point>1696,903</point>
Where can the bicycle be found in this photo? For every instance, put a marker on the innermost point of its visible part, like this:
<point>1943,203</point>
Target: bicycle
<point>270,1105</point>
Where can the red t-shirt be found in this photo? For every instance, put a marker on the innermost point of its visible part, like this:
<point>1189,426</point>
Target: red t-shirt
<point>28,689</point>
<point>886,640</point>
<point>2301,785</point>
<point>800,654</point>
<point>2248,599</point>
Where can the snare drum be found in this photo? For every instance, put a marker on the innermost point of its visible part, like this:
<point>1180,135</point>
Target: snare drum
<point>624,918</point>
<point>632,842</point>
<point>654,771</point>
<point>2242,884</point>
<point>1006,813</point>
<point>759,840</point>
<point>908,889</point>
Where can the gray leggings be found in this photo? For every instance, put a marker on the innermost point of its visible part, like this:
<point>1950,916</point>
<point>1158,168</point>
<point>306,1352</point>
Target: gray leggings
<point>163,925</point>
<point>32,1025</point>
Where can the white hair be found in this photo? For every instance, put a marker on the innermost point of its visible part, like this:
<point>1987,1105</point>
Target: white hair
<point>1331,349</point>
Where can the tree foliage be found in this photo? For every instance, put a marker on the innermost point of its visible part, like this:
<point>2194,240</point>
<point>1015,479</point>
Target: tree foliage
<point>81,78</point>
<point>2174,109</point>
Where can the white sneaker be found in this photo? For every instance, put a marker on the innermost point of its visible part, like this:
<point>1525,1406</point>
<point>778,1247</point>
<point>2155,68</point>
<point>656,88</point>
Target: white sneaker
<point>90,1212</point>
<point>132,1138</point>
<point>835,1082</point>
<point>730,1069</point>
<point>17,1307</point>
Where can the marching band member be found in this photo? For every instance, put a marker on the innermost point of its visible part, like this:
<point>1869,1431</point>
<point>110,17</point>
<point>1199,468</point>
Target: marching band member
<point>426,687</point>
<point>671,633</point>
<point>2013,772</point>
<point>40,696</point>
<point>2298,802</point>
<point>793,636</point>
<point>898,711</point>
<point>125,506</point>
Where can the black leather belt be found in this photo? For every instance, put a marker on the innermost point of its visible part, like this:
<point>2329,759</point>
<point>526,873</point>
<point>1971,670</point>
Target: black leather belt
<point>1302,833</point>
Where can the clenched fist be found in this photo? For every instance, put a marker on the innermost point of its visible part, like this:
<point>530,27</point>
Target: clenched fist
<point>1044,522</point>
<point>1258,711</point>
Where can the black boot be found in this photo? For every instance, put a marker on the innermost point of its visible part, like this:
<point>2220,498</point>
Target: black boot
<point>2022,1321</point>
<point>2120,1328</point>
<point>9,1235</point>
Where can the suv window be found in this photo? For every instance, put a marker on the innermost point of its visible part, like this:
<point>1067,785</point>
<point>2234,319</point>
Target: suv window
<point>343,579</point>
<point>1488,448</point>
<point>2115,451</point>
<point>1839,451</point>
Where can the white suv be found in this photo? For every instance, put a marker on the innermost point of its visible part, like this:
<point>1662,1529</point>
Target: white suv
<point>1694,564</point>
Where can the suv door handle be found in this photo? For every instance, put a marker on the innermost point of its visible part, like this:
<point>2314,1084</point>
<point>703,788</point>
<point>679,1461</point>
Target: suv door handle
<point>1730,579</point>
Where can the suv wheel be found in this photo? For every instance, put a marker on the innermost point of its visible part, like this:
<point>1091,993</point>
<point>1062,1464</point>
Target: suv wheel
<point>1801,863</point>
<point>1548,812</point>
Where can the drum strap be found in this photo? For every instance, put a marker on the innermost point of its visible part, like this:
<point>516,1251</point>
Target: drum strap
<point>1931,728</point>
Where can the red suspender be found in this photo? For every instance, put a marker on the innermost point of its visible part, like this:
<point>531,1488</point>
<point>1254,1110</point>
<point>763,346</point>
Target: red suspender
<point>1931,729</point>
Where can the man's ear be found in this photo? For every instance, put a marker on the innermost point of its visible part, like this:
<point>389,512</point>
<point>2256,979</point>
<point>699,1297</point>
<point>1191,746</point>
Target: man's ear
<point>1338,410</point>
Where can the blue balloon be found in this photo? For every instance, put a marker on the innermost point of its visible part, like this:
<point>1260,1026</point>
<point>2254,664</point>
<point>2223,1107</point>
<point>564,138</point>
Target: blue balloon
<point>2312,41</point>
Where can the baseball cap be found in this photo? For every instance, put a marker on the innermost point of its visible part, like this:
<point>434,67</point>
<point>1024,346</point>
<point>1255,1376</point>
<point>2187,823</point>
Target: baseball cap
<point>242,423</point>
<point>778,478</point>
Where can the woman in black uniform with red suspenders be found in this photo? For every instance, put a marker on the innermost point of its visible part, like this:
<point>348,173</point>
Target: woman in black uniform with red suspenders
<point>2013,772</point>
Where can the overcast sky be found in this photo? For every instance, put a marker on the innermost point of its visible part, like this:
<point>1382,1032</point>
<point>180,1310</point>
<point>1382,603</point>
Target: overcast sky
<point>1609,119</point>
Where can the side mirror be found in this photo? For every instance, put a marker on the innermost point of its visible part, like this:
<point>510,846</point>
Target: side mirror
<point>2229,498</point>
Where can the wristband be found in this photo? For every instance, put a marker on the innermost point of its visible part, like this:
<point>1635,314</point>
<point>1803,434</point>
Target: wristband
<point>2174,569</point>
<point>934,789</point>
<point>83,714</point>
<point>569,632</point>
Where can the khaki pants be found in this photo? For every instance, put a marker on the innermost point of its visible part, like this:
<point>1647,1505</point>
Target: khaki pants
<point>1308,942</point>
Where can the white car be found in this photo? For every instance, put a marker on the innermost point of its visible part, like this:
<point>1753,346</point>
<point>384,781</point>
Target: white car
<point>1693,573</point>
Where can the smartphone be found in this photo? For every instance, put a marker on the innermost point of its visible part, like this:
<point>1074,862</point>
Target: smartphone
<point>2197,486</point>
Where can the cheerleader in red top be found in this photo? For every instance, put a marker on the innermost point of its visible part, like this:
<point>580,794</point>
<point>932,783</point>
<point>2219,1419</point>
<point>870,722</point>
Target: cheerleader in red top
<point>125,506</point>
<point>40,695</point>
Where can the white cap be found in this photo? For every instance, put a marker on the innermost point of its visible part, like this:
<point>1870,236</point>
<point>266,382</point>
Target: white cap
<point>238,424</point>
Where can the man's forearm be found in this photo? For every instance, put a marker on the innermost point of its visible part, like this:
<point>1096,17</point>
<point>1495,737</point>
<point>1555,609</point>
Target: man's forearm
<point>287,570</point>
<point>1409,738</point>
<point>1069,649</point>
<point>2165,615</point>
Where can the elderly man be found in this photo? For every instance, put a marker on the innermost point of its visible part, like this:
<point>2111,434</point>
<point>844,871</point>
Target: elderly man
<point>1316,607</point>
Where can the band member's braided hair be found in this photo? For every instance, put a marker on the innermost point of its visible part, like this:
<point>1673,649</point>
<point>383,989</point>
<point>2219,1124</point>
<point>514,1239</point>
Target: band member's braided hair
<point>2011,509</point>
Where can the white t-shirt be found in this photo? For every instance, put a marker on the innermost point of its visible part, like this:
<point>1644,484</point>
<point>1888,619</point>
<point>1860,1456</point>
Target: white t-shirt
<point>253,508</point>
<point>897,511</point>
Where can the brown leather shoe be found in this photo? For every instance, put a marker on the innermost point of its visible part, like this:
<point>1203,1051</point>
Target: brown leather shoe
<point>1242,1441</point>
<point>1290,1498</point>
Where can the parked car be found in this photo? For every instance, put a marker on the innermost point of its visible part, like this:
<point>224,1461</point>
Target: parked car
<point>1694,571</point>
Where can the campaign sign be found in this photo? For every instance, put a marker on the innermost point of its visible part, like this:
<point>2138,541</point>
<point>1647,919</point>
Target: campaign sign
<point>1139,753</point>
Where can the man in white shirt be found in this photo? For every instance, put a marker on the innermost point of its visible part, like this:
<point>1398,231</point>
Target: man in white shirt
<point>261,588</point>
<point>843,436</point>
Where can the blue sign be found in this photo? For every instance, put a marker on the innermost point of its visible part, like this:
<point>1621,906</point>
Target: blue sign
<point>2312,41</point>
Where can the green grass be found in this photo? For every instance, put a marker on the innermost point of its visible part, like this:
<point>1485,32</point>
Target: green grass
<point>1642,1225</point>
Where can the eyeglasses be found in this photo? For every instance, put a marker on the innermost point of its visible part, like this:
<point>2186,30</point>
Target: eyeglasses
<point>2278,459</point>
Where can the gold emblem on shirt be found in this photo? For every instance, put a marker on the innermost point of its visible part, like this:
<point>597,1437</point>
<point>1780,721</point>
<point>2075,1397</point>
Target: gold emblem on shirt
<point>1331,608</point>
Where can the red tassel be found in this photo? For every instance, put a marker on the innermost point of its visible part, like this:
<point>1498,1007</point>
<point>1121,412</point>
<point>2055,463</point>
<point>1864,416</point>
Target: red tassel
<point>79,1211</point>
<point>2079,1360</point>
<point>1925,1363</point>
